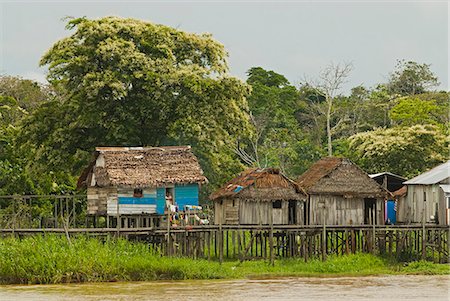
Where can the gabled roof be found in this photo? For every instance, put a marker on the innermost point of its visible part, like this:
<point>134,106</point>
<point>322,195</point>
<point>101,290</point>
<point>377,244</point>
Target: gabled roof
<point>317,171</point>
<point>260,184</point>
<point>339,176</point>
<point>386,173</point>
<point>433,176</point>
<point>393,181</point>
<point>143,167</point>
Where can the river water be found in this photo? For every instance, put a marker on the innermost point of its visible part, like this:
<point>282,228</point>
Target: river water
<point>430,288</point>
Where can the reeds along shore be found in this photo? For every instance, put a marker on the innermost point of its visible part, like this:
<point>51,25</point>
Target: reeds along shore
<point>56,259</point>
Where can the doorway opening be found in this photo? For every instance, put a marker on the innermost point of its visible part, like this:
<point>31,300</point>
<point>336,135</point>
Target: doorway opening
<point>292,209</point>
<point>370,208</point>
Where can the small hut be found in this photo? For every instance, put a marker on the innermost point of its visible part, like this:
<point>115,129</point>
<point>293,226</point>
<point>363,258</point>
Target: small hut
<point>428,196</point>
<point>140,180</point>
<point>340,193</point>
<point>259,196</point>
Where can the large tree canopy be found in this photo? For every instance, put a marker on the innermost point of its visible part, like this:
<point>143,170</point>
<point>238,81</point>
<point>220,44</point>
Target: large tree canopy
<point>410,78</point>
<point>129,82</point>
<point>278,140</point>
<point>406,151</point>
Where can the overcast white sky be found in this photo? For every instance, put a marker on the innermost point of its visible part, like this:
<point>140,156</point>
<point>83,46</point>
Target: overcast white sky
<point>292,38</point>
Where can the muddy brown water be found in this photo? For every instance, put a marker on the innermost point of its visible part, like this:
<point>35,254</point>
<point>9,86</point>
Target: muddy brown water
<point>385,288</point>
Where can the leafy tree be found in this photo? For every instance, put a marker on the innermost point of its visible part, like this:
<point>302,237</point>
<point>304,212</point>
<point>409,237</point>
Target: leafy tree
<point>411,78</point>
<point>411,111</point>
<point>27,93</point>
<point>278,140</point>
<point>328,85</point>
<point>407,151</point>
<point>129,82</point>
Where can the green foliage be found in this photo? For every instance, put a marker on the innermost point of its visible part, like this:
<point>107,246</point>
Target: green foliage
<point>53,259</point>
<point>27,93</point>
<point>279,141</point>
<point>406,151</point>
<point>129,82</point>
<point>426,268</point>
<point>411,111</point>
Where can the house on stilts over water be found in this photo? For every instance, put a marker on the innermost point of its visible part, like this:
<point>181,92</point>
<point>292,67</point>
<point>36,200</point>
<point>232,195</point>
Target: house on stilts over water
<point>341,193</point>
<point>428,196</point>
<point>259,196</point>
<point>139,182</point>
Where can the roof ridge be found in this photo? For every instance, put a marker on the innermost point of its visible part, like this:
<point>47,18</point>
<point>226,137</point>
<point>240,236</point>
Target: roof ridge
<point>140,148</point>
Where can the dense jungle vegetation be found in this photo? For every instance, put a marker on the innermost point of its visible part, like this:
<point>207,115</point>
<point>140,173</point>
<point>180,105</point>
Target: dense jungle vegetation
<point>125,82</point>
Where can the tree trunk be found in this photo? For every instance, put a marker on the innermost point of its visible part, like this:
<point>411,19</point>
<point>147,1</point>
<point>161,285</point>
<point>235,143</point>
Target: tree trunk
<point>330,148</point>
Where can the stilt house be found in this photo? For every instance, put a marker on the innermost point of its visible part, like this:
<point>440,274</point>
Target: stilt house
<point>138,180</point>
<point>340,193</point>
<point>428,196</point>
<point>259,197</point>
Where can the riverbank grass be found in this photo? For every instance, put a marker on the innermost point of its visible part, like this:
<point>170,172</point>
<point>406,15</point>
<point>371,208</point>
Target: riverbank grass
<point>53,259</point>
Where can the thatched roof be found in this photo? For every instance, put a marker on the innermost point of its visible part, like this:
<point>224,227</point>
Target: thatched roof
<point>143,167</point>
<point>265,184</point>
<point>339,176</point>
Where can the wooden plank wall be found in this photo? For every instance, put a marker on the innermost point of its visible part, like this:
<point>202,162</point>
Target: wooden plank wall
<point>249,212</point>
<point>417,207</point>
<point>97,199</point>
<point>340,210</point>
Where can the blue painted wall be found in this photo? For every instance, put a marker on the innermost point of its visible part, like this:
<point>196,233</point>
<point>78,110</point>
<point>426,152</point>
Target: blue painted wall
<point>136,201</point>
<point>160,200</point>
<point>391,212</point>
<point>186,195</point>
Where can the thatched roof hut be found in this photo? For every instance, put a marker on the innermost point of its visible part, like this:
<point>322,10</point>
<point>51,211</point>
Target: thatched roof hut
<point>265,184</point>
<point>143,167</point>
<point>137,180</point>
<point>346,193</point>
<point>339,176</point>
<point>250,197</point>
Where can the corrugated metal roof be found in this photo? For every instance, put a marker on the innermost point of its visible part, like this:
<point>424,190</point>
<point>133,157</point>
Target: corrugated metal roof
<point>432,176</point>
<point>387,173</point>
<point>445,188</point>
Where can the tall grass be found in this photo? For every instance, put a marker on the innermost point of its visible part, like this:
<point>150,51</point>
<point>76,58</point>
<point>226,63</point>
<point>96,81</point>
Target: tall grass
<point>53,259</point>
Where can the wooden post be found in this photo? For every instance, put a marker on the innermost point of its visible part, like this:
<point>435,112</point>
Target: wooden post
<point>272,260</point>
<point>119,222</point>
<point>220,243</point>
<point>74,215</point>
<point>324,235</point>
<point>374,239</point>
<point>169,248</point>
<point>424,234</point>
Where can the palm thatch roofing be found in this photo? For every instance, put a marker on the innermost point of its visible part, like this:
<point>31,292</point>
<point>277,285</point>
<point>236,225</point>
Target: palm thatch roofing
<point>143,167</point>
<point>262,184</point>
<point>339,176</point>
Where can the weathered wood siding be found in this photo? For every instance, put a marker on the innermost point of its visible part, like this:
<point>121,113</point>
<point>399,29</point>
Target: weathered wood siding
<point>128,204</point>
<point>403,210</point>
<point>226,212</point>
<point>340,210</point>
<point>250,212</point>
<point>425,199</point>
<point>97,199</point>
